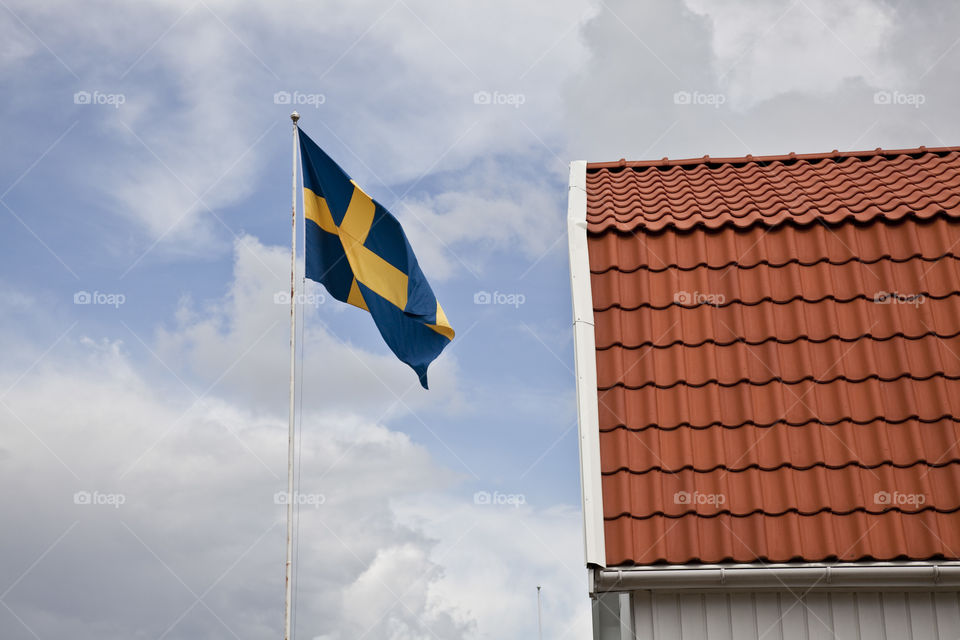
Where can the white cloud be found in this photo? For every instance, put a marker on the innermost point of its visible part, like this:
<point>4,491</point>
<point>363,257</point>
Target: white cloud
<point>398,81</point>
<point>497,574</point>
<point>390,592</point>
<point>395,547</point>
<point>822,43</point>
<point>493,207</point>
<point>804,84</point>
<point>15,43</point>
<point>239,343</point>
<point>197,487</point>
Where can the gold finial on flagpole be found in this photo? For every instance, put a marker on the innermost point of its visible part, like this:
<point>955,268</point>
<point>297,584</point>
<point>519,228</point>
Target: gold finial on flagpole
<point>294,116</point>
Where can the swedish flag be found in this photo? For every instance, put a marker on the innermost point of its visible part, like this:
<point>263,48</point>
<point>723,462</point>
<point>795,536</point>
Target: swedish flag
<point>358,251</point>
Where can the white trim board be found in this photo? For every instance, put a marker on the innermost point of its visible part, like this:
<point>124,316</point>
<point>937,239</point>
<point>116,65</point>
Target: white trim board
<point>926,575</point>
<point>585,355</point>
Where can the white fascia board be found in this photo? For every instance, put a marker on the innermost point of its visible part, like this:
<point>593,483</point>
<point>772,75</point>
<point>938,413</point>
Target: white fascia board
<point>585,354</point>
<point>925,575</point>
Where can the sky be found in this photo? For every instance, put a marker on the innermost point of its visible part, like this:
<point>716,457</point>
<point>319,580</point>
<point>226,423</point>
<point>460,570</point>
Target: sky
<point>145,189</point>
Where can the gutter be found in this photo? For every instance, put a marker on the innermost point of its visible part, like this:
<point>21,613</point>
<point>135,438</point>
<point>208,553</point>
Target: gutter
<point>585,356</point>
<point>859,575</point>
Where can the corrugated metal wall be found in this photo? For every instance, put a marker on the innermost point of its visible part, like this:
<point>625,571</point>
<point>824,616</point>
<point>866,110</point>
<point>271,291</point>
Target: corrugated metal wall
<point>774,615</point>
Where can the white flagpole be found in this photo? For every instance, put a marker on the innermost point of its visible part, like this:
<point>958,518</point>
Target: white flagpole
<point>539,616</point>
<point>293,352</point>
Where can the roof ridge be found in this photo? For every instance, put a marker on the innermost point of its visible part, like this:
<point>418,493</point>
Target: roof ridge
<point>919,295</point>
<point>776,379</point>
<point>791,510</point>
<point>734,264</point>
<point>750,158</point>
<point>650,344</point>
<point>756,466</point>
<point>913,417</point>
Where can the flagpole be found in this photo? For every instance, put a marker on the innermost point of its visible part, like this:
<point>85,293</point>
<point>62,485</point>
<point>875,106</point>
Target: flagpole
<point>293,351</point>
<point>539,616</point>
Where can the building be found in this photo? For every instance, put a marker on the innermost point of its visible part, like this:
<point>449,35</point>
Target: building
<point>768,382</point>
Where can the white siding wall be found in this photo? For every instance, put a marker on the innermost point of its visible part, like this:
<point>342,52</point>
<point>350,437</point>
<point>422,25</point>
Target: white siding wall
<point>776,615</point>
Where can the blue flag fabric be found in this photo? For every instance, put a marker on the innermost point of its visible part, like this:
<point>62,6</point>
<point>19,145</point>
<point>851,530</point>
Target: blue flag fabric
<point>358,251</point>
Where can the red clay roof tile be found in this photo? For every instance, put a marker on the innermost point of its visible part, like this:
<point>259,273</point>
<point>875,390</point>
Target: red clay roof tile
<point>824,536</point>
<point>776,247</point>
<point>846,489</point>
<point>788,363</point>
<point>778,356</point>
<point>821,189</point>
<point>868,445</point>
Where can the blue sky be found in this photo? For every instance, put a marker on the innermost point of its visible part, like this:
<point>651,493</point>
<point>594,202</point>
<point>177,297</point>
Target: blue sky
<point>171,188</point>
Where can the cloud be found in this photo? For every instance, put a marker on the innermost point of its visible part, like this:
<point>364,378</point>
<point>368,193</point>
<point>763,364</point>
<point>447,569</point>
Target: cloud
<point>383,592</point>
<point>151,510</point>
<point>238,345</point>
<point>15,44</point>
<point>751,83</point>
<point>199,124</point>
<point>490,207</point>
<point>497,574</point>
<point>823,43</point>
<point>180,496</point>
<point>147,470</point>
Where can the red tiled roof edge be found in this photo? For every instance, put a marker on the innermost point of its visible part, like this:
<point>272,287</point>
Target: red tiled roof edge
<point>745,193</point>
<point>789,157</point>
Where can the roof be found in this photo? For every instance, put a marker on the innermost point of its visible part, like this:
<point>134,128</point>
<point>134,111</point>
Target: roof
<point>778,356</point>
